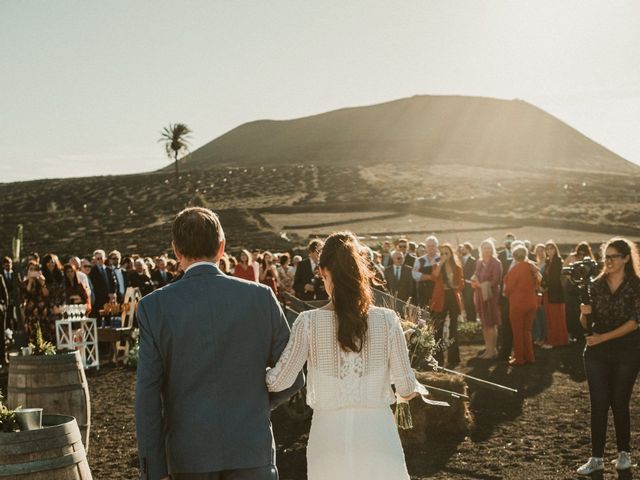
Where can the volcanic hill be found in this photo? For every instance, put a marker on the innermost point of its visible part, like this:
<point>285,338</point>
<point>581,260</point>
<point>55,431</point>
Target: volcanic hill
<point>473,131</point>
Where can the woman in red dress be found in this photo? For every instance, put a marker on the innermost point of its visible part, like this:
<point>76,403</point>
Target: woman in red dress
<point>554,310</point>
<point>244,268</point>
<point>268,272</point>
<point>448,285</point>
<point>486,284</point>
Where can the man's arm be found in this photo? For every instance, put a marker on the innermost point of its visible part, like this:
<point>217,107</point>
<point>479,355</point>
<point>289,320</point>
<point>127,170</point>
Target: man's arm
<point>149,417</point>
<point>279,339</point>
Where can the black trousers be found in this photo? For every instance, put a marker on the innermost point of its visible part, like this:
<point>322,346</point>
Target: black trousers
<point>270,472</point>
<point>469,304</point>
<point>611,369</point>
<point>572,312</point>
<point>505,334</point>
<point>452,309</point>
<point>3,327</point>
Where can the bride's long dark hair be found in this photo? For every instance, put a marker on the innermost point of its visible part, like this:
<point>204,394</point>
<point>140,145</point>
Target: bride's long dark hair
<point>345,259</point>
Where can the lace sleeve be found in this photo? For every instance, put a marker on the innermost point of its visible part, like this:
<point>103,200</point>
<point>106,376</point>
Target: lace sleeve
<point>402,375</point>
<point>292,359</point>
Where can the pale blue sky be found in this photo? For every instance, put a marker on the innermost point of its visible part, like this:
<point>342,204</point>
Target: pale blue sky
<point>86,86</point>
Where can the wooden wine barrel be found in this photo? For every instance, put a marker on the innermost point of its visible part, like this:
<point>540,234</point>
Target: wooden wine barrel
<point>56,383</point>
<point>54,452</point>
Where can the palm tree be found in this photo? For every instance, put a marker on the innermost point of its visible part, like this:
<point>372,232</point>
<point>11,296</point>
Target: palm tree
<point>176,141</point>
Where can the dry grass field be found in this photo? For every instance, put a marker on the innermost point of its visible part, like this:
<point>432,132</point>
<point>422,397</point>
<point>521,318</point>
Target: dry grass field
<point>257,204</point>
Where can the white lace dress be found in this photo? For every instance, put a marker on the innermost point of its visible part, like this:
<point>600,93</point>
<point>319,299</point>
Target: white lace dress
<point>353,432</point>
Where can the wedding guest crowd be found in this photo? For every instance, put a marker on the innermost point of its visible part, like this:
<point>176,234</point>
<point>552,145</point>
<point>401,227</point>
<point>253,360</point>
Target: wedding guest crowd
<point>518,295</point>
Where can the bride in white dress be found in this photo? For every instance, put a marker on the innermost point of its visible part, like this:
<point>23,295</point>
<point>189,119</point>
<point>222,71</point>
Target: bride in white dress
<point>354,352</point>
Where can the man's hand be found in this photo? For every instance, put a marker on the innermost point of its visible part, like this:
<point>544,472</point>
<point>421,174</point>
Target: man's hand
<point>308,288</point>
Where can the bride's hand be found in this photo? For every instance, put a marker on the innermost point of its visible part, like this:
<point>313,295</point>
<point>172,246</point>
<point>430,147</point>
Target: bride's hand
<point>410,397</point>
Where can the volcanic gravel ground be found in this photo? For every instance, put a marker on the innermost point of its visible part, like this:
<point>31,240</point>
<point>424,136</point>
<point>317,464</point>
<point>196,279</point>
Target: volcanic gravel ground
<point>541,433</point>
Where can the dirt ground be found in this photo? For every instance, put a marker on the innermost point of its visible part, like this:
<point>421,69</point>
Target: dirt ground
<point>541,433</point>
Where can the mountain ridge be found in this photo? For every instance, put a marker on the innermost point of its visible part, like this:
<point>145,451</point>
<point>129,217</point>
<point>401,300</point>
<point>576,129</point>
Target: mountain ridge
<point>477,131</point>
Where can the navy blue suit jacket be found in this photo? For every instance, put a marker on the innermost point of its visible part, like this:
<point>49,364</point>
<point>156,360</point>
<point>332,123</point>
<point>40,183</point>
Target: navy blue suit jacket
<point>201,400</point>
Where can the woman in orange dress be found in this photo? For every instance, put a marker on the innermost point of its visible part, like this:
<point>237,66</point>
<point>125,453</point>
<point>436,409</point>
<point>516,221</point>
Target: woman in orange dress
<point>520,287</point>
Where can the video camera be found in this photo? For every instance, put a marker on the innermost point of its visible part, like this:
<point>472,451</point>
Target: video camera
<point>582,273</point>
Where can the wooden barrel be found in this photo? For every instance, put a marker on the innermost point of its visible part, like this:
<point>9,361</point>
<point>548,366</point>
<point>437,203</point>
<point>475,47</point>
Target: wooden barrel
<point>54,452</point>
<point>56,383</point>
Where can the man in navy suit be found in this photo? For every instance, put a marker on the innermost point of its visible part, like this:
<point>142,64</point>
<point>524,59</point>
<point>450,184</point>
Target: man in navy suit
<point>398,277</point>
<point>468,271</point>
<point>307,282</point>
<point>104,282</point>
<point>202,405</point>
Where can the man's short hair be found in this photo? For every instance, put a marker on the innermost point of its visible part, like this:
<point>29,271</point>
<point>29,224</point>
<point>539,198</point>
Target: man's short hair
<point>6,260</point>
<point>116,253</point>
<point>197,233</point>
<point>315,245</point>
<point>99,252</point>
<point>468,246</point>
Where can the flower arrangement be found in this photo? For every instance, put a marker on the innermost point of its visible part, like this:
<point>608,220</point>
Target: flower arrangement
<point>41,347</point>
<point>470,332</point>
<point>8,421</point>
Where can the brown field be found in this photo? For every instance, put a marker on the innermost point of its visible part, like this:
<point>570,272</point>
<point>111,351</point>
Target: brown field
<point>133,213</point>
<point>374,227</point>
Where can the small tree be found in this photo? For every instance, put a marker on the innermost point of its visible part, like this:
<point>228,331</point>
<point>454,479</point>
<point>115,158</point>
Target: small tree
<point>176,141</point>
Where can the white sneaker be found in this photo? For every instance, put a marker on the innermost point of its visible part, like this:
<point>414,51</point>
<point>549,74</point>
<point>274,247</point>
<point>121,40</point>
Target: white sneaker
<point>591,466</point>
<point>623,462</point>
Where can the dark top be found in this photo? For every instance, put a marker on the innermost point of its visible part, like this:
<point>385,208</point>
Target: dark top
<point>552,281</point>
<point>304,274</point>
<point>104,282</point>
<point>611,310</point>
<point>141,281</point>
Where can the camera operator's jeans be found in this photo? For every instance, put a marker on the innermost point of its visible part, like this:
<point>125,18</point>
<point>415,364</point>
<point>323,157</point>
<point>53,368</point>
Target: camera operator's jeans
<point>611,368</point>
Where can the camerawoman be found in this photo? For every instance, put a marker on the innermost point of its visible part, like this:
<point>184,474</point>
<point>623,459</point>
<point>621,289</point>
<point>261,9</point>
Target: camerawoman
<point>612,351</point>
